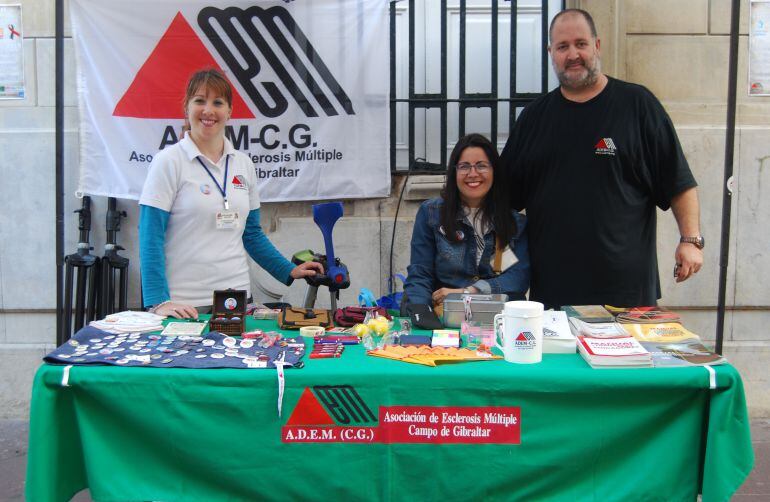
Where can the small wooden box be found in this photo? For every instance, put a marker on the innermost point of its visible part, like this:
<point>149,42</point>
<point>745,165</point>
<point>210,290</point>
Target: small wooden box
<point>228,312</point>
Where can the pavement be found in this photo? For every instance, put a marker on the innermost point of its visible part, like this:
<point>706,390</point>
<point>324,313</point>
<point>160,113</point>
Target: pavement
<point>13,463</point>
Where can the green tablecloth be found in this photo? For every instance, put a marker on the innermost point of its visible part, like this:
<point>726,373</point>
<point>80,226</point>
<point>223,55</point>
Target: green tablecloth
<point>182,434</point>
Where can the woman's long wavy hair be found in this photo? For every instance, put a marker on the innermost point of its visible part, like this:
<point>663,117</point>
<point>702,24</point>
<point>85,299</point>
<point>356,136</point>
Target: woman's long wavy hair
<point>494,208</point>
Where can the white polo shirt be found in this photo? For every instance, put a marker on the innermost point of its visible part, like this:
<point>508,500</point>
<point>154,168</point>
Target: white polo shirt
<point>199,257</point>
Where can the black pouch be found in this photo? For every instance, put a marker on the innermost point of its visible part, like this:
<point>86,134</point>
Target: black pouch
<point>423,316</point>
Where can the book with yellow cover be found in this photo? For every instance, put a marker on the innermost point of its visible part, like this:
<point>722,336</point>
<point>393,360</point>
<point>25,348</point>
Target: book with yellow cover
<point>671,344</point>
<point>660,332</point>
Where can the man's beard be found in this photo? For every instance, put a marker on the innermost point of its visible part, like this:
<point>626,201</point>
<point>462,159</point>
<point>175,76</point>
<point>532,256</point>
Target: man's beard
<point>586,80</point>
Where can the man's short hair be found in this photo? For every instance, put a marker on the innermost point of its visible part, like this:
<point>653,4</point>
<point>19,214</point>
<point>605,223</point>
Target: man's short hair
<point>583,13</point>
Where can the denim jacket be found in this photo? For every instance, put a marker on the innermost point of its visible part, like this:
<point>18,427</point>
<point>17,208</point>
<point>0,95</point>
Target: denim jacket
<point>437,262</point>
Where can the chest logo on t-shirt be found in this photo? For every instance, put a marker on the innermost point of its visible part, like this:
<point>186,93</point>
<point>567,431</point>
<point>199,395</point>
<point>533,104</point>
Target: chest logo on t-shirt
<point>239,182</point>
<point>605,146</point>
<point>205,189</point>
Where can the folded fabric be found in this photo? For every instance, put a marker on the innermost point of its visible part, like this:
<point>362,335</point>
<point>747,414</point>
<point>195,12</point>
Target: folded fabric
<point>350,316</point>
<point>130,322</point>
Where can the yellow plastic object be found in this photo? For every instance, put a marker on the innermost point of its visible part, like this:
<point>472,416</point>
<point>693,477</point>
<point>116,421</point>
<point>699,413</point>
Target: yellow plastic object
<point>379,325</point>
<point>361,329</point>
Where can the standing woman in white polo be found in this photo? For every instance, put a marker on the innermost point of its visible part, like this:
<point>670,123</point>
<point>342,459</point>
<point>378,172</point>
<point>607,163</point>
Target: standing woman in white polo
<point>199,212</point>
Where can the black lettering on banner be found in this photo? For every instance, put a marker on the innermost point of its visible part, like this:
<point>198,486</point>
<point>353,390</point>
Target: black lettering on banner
<point>245,66</point>
<point>169,137</point>
<point>240,139</point>
<point>344,403</point>
<point>263,137</point>
<point>306,139</point>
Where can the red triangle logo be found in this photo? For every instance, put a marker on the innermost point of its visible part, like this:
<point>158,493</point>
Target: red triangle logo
<point>601,144</point>
<point>309,411</point>
<point>159,86</point>
<point>521,338</point>
<point>237,180</point>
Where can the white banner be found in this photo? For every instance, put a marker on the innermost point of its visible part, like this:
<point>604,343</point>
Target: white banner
<point>310,81</point>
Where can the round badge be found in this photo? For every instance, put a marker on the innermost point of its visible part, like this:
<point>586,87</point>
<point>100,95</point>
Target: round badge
<point>231,303</point>
<point>205,189</point>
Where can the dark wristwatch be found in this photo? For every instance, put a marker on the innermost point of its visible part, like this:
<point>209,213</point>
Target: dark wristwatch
<point>698,242</point>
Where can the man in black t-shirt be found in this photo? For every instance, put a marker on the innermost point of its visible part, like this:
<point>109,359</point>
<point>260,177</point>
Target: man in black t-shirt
<point>590,161</point>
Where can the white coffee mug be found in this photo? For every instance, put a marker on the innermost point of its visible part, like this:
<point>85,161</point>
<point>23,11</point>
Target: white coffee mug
<point>520,328</point>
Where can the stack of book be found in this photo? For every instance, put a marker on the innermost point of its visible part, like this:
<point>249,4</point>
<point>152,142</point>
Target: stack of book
<point>608,345</point>
<point>648,336</point>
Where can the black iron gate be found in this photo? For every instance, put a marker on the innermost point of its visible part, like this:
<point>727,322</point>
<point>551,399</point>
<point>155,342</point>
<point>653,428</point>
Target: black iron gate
<point>465,100</point>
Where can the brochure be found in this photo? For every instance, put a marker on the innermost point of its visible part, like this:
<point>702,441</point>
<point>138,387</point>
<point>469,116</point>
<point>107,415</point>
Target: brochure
<point>557,336</point>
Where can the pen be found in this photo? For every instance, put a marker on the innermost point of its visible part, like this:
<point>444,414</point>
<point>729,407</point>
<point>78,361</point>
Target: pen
<point>324,355</point>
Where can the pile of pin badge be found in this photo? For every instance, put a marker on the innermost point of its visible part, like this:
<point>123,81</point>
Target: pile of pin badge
<point>92,346</point>
<point>143,349</point>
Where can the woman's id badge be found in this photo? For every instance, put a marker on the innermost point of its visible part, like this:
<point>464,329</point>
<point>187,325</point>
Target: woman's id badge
<point>227,220</point>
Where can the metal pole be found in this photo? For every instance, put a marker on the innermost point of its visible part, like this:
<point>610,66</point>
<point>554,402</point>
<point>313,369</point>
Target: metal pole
<point>724,248</point>
<point>59,58</point>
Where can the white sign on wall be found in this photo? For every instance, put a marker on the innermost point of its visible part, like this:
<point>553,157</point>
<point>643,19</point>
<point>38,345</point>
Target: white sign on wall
<point>310,82</point>
<point>759,48</point>
<point>11,53</point>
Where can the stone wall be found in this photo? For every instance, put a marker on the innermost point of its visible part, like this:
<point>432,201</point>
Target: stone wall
<point>677,49</point>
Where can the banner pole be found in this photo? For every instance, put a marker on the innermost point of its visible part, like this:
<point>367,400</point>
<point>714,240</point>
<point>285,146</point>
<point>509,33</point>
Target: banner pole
<point>724,248</point>
<point>59,58</point>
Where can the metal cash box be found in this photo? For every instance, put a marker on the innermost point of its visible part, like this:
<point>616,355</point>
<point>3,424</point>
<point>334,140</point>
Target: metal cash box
<point>483,308</point>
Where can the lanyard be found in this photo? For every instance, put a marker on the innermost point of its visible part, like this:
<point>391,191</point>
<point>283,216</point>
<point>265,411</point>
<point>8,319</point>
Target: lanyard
<point>223,188</point>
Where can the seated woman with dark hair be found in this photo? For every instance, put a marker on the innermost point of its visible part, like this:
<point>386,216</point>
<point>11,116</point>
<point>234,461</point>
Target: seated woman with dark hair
<point>459,237</point>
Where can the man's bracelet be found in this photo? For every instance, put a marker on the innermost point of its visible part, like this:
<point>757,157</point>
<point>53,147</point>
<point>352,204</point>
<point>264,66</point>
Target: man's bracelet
<point>155,308</point>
